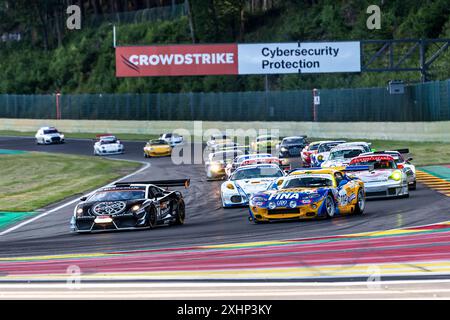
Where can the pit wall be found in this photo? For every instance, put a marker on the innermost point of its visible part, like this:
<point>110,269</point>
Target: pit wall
<point>406,131</point>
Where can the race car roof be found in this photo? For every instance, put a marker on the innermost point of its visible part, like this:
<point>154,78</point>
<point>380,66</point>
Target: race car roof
<point>347,147</point>
<point>260,165</point>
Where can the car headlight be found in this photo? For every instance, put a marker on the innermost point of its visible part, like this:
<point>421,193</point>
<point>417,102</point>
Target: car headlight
<point>79,212</point>
<point>284,149</point>
<point>230,186</point>
<point>396,175</point>
<point>258,199</point>
<point>135,208</point>
<point>216,167</point>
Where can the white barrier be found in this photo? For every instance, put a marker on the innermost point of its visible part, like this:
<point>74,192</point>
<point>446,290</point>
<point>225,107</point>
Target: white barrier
<point>407,131</point>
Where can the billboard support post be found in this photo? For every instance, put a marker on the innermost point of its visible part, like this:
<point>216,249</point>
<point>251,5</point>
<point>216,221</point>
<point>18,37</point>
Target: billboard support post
<point>316,103</point>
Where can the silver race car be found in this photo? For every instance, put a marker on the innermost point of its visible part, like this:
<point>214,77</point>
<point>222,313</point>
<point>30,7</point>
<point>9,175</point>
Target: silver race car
<point>385,178</point>
<point>408,167</point>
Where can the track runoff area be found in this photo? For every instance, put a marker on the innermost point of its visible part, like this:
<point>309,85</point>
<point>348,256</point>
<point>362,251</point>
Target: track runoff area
<point>397,240</point>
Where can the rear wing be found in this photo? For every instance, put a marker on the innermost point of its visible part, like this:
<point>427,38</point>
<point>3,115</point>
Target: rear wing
<point>403,151</point>
<point>359,168</point>
<point>305,169</point>
<point>159,183</point>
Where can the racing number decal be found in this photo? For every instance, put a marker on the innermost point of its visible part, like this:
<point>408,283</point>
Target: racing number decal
<point>343,197</point>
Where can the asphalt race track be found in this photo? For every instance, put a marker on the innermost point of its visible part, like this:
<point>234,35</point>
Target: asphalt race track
<point>206,222</point>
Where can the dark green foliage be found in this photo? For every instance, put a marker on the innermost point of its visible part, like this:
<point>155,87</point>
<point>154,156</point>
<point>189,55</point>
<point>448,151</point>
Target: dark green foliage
<point>85,62</point>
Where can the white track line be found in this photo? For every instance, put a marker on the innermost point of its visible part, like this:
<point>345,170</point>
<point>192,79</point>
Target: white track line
<point>146,166</point>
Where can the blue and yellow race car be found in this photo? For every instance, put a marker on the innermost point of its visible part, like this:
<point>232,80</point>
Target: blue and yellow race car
<point>309,194</point>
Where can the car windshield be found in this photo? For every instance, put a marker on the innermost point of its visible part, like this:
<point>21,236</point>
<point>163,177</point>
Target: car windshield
<point>294,141</point>
<point>345,154</point>
<point>378,164</point>
<point>118,195</point>
<point>158,142</point>
<point>259,172</point>
<point>108,141</point>
<point>313,147</point>
<point>308,182</point>
<point>327,147</point>
<point>51,131</point>
<point>226,156</point>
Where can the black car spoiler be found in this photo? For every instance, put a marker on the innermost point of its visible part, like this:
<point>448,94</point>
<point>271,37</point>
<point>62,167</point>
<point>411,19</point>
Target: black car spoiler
<point>398,150</point>
<point>160,183</point>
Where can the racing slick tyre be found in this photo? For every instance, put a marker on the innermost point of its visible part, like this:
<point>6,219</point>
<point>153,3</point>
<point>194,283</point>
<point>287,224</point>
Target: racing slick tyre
<point>329,207</point>
<point>151,218</point>
<point>413,186</point>
<point>145,155</point>
<point>181,213</point>
<point>360,202</point>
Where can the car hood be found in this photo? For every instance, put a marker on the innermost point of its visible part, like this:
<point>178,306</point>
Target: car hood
<point>373,176</point>
<point>89,206</point>
<point>251,186</point>
<point>109,146</point>
<point>52,135</point>
<point>284,197</point>
<point>336,163</point>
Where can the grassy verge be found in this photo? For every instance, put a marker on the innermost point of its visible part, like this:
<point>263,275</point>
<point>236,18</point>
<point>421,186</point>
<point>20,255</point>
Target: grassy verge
<point>33,180</point>
<point>82,135</point>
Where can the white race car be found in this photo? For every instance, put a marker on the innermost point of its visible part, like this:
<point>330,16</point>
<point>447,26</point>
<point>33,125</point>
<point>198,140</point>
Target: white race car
<point>107,145</point>
<point>341,155</point>
<point>217,139</point>
<point>323,151</point>
<point>49,135</point>
<point>246,181</point>
<point>173,139</point>
<point>231,167</point>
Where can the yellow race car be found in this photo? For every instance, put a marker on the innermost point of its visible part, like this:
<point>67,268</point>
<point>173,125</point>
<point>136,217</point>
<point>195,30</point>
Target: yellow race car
<point>157,148</point>
<point>309,194</point>
<point>265,143</point>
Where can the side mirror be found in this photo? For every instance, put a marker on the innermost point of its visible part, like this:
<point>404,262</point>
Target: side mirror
<point>409,159</point>
<point>83,198</point>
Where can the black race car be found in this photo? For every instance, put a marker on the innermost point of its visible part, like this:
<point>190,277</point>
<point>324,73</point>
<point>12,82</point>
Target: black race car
<point>291,147</point>
<point>130,205</point>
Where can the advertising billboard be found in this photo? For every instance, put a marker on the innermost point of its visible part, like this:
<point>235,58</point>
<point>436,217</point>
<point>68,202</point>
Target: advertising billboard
<point>238,59</point>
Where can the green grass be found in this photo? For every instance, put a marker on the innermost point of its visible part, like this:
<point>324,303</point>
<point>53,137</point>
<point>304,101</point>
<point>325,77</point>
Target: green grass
<point>33,180</point>
<point>83,135</point>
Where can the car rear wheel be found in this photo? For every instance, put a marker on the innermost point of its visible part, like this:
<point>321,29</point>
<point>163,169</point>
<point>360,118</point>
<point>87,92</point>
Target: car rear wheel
<point>181,213</point>
<point>413,186</point>
<point>329,207</point>
<point>360,202</point>
<point>151,219</point>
